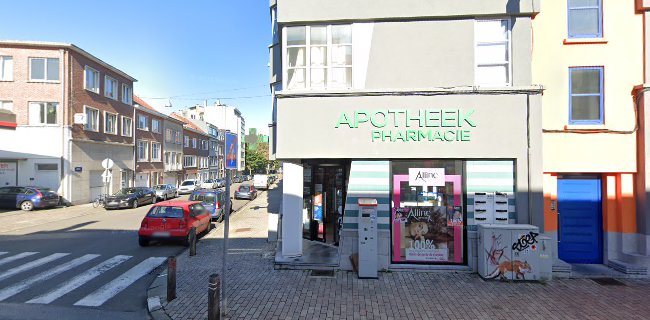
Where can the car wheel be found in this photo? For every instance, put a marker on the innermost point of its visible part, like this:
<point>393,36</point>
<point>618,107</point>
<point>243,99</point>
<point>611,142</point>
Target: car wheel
<point>164,197</point>
<point>27,206</point>
<point>154,199</point>
<point>143,242</point>
<point>135,204</point>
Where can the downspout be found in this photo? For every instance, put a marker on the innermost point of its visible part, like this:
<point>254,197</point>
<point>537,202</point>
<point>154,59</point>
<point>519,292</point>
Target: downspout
<point>62,167</point>
<point>530,193</point>
<point>133,143</point>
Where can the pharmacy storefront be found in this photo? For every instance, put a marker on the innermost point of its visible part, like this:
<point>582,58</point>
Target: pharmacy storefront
<point>436,164</point>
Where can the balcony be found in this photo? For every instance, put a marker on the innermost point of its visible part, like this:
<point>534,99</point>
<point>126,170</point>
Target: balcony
<point>173,167</point>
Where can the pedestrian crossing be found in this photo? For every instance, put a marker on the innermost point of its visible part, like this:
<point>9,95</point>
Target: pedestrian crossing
<point>37,278</point>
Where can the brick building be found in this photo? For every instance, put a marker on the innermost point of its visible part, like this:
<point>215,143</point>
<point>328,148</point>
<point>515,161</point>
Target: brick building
<point>195,150</point>
<point>149,144</point>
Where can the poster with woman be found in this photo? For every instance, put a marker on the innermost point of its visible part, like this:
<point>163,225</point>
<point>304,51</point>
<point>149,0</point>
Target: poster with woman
<point>424,233</point>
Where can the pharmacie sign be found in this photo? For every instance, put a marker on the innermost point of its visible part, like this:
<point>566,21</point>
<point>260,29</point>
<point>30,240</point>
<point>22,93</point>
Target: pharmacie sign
<point>392,125</point>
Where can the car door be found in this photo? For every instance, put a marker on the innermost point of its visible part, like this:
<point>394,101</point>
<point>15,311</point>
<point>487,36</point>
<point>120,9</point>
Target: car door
<point>197,217</point>
<point>6,199</point>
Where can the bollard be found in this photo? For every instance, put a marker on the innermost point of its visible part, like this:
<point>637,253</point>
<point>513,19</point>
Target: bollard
<point>171,278</point>
<point>192,242</point>
<point>214,287</point>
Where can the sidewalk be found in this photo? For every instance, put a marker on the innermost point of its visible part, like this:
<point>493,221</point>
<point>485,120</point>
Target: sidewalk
<point>257,291</point>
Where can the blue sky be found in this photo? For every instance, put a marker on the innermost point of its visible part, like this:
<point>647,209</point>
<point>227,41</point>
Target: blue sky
<point>189,50</point>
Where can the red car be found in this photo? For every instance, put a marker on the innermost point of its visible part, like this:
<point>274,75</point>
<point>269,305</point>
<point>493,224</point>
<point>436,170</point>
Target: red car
<point>172,220</point>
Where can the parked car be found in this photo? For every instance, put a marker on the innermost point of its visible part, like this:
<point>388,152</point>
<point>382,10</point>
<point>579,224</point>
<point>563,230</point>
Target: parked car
<point>165,191</point>
<point>246,191</point>
<point>28,198</point>
<point>236,179</point>
<point>220,183</point>
<point>188,186</point>
<point>213,201</point>
<point>130,198</point>
<point>261,181</point>
<point>172,220</point>
<point>209,184</point>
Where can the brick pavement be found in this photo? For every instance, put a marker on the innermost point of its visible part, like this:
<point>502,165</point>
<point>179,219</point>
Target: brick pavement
<point>257,291</point>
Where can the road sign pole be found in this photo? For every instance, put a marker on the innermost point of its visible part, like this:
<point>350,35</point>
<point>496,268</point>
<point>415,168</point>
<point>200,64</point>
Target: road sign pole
<point>226,227</point>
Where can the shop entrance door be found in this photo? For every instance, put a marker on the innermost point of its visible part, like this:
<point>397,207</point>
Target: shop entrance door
<point>324,196</point>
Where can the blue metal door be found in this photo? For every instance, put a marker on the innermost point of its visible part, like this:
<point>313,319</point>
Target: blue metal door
<point>580,220</point>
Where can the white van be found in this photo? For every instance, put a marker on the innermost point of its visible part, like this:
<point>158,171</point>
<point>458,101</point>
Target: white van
<point>261,181</point>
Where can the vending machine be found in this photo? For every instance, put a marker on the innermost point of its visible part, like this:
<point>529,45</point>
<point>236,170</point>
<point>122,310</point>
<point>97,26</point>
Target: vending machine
<point>367,238</point>
<point>509,252</point>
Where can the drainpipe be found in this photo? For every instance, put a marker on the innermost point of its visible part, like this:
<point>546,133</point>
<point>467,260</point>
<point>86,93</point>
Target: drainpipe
<point>62,168</point>
<point>530,193</point>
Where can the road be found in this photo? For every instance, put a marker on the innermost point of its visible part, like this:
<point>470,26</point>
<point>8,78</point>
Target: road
<point>78,262</point>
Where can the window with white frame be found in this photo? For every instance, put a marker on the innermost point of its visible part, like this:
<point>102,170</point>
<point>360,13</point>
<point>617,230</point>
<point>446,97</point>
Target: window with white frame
<point>189,161</point>
<point>91,82</point>
<point>585,18</point>
<point>110,87</point>
<point>44,69</point>
<point>178,137</point>
<point>143,122</point>
<point>194,143</point>
<point>155,151</point>
<point>318,57</point>
<point>110,123</point>
<point>127,94</point>
<point>492,53</point>
<point>174,161</point>
<point>204,144</point>
<point>155,126</point>
<point>7,105</point>
<point>6,68</point>
<point>43,113</point>
<point>92,119</point>
<point>127,125</point>
<point>168,135</point>
<point>143,151</point>
<point>187,142</point>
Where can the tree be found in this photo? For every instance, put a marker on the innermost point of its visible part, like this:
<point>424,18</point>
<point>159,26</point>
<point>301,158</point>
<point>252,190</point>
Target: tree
<point>258,159</point>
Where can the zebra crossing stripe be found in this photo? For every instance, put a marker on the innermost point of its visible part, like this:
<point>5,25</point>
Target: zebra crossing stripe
<point>31,265</point>
<point>3,252</point>
<point>80,280</point>
<point>120,283</point>
<point>22,285</point>
<point>16,257</point>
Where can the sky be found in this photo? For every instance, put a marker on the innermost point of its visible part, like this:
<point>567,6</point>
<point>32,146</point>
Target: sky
<point>185,52</point>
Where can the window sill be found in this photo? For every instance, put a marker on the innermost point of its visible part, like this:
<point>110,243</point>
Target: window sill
<point>91,130</point>
<point>95,92</point>
<point>145,129</point>
<point>6,80</point>
<point>43,81</point>
<point>143,160</point>
<point>570,41</point>
<point>585,127</point>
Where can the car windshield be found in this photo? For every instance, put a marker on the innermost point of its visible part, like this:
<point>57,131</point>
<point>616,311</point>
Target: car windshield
<point>208,181</point>
<point>159,187</point>
<point>165,212</point>
<point>244,188</point>
<point>207,198</point>
<point>187,183</point>
<point>126,191</point>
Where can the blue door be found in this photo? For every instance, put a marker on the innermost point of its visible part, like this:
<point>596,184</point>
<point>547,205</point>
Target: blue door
<point>580,220</point>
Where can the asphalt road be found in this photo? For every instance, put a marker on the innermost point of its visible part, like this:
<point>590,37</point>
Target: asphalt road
<point>78,263</point>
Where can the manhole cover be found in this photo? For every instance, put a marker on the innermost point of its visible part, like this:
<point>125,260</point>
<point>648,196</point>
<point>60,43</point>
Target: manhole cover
<point>322,273</point>
<point>607,282</point>
<point>242,230</point>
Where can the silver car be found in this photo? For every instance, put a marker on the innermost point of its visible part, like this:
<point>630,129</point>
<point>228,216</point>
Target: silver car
<point>165,191</point>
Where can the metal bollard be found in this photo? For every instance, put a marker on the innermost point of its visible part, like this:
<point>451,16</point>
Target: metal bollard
<point>214,288</point>
<point>171,278</point>
<point>192,242</point>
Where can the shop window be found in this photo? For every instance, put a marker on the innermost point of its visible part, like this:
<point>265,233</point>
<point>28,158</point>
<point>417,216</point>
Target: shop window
<point>427,212</point>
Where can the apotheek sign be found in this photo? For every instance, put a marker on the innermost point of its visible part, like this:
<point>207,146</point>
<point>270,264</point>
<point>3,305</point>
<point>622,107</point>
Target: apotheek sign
<point>427,177</point>
<point>444,125</point>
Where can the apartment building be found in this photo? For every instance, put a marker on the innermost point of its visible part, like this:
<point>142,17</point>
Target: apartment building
<point>195,150</point>
<point>588,55</point>
<point>195,116</point>
<point>72,110</point>
<point>149,144</point>
<point>367,94</point>
<point>173,151</point>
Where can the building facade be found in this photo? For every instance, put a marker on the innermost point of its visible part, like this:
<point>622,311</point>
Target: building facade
<point>149,145</point>
<point>425,108</point>
<point>589,58</point>
<point>195,150</point>
<point>228,118</point>
<point>173,151</point>
<point>75,110</point>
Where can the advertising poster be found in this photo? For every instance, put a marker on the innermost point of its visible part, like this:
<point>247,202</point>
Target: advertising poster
<point>424,233</point>
<point>231,151</point>
<point>318,202</point>
<point>454,216</point>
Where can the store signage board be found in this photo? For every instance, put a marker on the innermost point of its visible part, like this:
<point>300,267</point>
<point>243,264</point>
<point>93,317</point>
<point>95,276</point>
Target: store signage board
<point>402,125</point>
<point>427,177</point>
<point>232,152</point>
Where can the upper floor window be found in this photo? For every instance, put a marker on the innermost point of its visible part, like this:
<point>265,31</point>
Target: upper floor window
<point>110,87</point>
<point>155,126</point>
<point>143,122</point>
<point>492,54</point>
<point>178,137</point>
<point>143,150</point>
<point>110,123</point>
<point>44,69</point>
<point>155,151</point>
<point>127,94</point>
<point>7,105</point>
<point>41,113</point>
<point>91,79</point>
<point>168,135</point>
<point>585,18</point>
<point>586,95</point>
<point>187,141</point>
<point>318,57</point>
<point>194,143</point>
<point>92,119</point>
<point>6,68</point>
<point>127,124</point>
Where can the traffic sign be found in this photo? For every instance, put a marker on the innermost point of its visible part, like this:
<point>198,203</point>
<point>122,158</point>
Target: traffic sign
<point>107,163</point>
<point>232,153</point>
<point>107,176</point>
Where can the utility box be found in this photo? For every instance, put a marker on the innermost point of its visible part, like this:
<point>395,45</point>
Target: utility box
<point>509,251</point>
<point>367,238</point>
